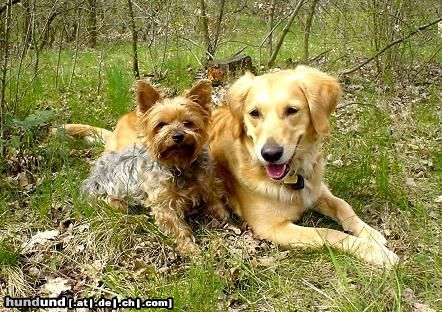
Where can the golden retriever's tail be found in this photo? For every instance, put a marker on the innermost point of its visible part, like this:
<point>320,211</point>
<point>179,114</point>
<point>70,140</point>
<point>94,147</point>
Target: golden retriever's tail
<point>90,133</point>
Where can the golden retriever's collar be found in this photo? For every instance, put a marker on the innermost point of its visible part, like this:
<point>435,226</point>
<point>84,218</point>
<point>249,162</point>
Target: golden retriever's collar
<point>297,184</point>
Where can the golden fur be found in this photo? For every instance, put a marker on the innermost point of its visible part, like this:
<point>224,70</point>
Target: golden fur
<point>286,114</point>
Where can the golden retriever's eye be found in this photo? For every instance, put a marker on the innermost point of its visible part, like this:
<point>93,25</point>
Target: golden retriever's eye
<point>292,110</point>
<point>188,124</point>
<point>255,113</point>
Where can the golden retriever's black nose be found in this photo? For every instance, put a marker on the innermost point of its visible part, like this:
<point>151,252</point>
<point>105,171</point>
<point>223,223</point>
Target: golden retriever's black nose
<point>178,137</point>
<point>272,152</point>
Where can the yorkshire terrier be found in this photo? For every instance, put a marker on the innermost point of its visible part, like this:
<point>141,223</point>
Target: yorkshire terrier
<point>171,172</point>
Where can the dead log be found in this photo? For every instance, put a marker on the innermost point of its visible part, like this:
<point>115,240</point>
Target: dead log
<point>219,71</point>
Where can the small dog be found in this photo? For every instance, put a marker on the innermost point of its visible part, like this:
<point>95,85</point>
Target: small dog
<point>171,171</point>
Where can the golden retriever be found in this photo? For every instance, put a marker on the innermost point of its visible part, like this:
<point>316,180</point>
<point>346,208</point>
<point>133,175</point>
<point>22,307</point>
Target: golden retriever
<point>267,144</point>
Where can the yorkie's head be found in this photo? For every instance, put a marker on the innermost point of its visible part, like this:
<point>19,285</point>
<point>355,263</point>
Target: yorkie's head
<point>175,129</point>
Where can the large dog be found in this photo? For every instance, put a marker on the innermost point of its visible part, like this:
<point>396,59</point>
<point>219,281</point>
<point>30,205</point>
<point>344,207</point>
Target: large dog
<point>267,144</point>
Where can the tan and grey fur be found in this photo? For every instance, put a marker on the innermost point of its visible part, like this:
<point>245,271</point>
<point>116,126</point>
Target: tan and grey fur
<point>170,171</point>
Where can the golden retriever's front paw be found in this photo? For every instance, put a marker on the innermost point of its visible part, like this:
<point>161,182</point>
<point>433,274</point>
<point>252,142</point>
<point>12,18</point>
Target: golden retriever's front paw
<point>372,234</point>
<point>377,254</point>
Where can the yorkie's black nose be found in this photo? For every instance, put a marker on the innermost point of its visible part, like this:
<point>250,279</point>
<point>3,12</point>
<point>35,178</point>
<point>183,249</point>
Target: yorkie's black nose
<point>272,152</point>
<point>178,137</point>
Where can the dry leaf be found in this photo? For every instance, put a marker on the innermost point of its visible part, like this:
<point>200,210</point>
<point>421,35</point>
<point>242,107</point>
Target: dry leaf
<point>55,286</point>
<point>22,180</point>
<point>410,183</point>
<point>267,261</point>
<point>40,238</point>
<point>421,307</point>
<point>234,229</point>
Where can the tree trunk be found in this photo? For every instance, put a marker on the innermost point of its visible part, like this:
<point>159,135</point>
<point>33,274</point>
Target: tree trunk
<point>284,33</point>
<point>134,40</point>
<point>27,38</point>
<point>270,20</point>
<point>92,23</point>
<point>5,60</point>
<point>205,30</point>
<point>218,27</point>
<point>308,26</point>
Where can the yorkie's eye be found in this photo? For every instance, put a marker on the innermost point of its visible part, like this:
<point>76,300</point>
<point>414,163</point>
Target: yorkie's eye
<point>254,113</point>
<point>292,110</point>
<point>160,125</point>
<point>188,124</point>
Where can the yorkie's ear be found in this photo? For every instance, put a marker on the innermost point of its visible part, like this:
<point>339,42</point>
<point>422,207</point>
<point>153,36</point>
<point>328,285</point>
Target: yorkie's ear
<point>201,93</point>
<point>146,95</point>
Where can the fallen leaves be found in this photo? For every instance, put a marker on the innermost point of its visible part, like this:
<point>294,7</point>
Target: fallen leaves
<point>41,238</point>
<point>54,287</point>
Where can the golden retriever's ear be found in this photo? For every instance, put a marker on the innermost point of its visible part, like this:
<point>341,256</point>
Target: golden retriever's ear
<point>146,96</point>
<point>235,97</point>
<point>322,92</point>
<point>201,93</point>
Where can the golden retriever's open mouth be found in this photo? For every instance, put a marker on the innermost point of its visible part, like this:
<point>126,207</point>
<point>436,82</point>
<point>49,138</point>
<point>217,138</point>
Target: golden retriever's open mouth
<point>280,171</point>
<point>277,172</point>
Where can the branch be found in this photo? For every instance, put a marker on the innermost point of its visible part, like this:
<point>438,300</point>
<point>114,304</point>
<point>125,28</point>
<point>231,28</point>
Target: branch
<point>2,8</point>
<point>284,33</point>
<point>355,68</point>
<point>218,25</point>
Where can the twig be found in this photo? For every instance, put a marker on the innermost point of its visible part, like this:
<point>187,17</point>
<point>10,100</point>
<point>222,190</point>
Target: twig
<point>310,285</point>
<point>355,68</point>
<point>10,3</point>
<point>194,55</point>
<point>284,33</point>
<point>77,39</point>
<point>239,52</point>
<point>426,62</point>
<point>341,106</point>
<point>317,57</point>
<point>268,35</point>
<point>100,69</point>
<point>196,44</point>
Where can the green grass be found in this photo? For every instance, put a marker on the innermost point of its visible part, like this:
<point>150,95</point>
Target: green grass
<point>381,145</point>
<point>9,256</point>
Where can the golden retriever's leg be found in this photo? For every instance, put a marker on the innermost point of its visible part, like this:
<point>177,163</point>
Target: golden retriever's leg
<point>291,235</point>
<point>340,211</point>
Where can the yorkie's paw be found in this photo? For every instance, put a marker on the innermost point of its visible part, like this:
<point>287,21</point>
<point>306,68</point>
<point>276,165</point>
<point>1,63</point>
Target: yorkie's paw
<point>219,212</point>
<point>188,248</point>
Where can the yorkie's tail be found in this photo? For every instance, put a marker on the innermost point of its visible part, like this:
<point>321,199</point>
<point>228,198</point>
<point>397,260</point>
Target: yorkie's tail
<point>90,133</point>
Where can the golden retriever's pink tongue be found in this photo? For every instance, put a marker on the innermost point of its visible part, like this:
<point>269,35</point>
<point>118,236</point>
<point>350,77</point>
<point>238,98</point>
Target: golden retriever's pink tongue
<point>276,171</point>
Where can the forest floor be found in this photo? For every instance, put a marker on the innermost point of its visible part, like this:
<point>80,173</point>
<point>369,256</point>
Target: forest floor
<point>383,156</point>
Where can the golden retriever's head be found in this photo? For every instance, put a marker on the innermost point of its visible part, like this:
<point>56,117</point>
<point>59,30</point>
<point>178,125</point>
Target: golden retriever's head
<point>281,112</point>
